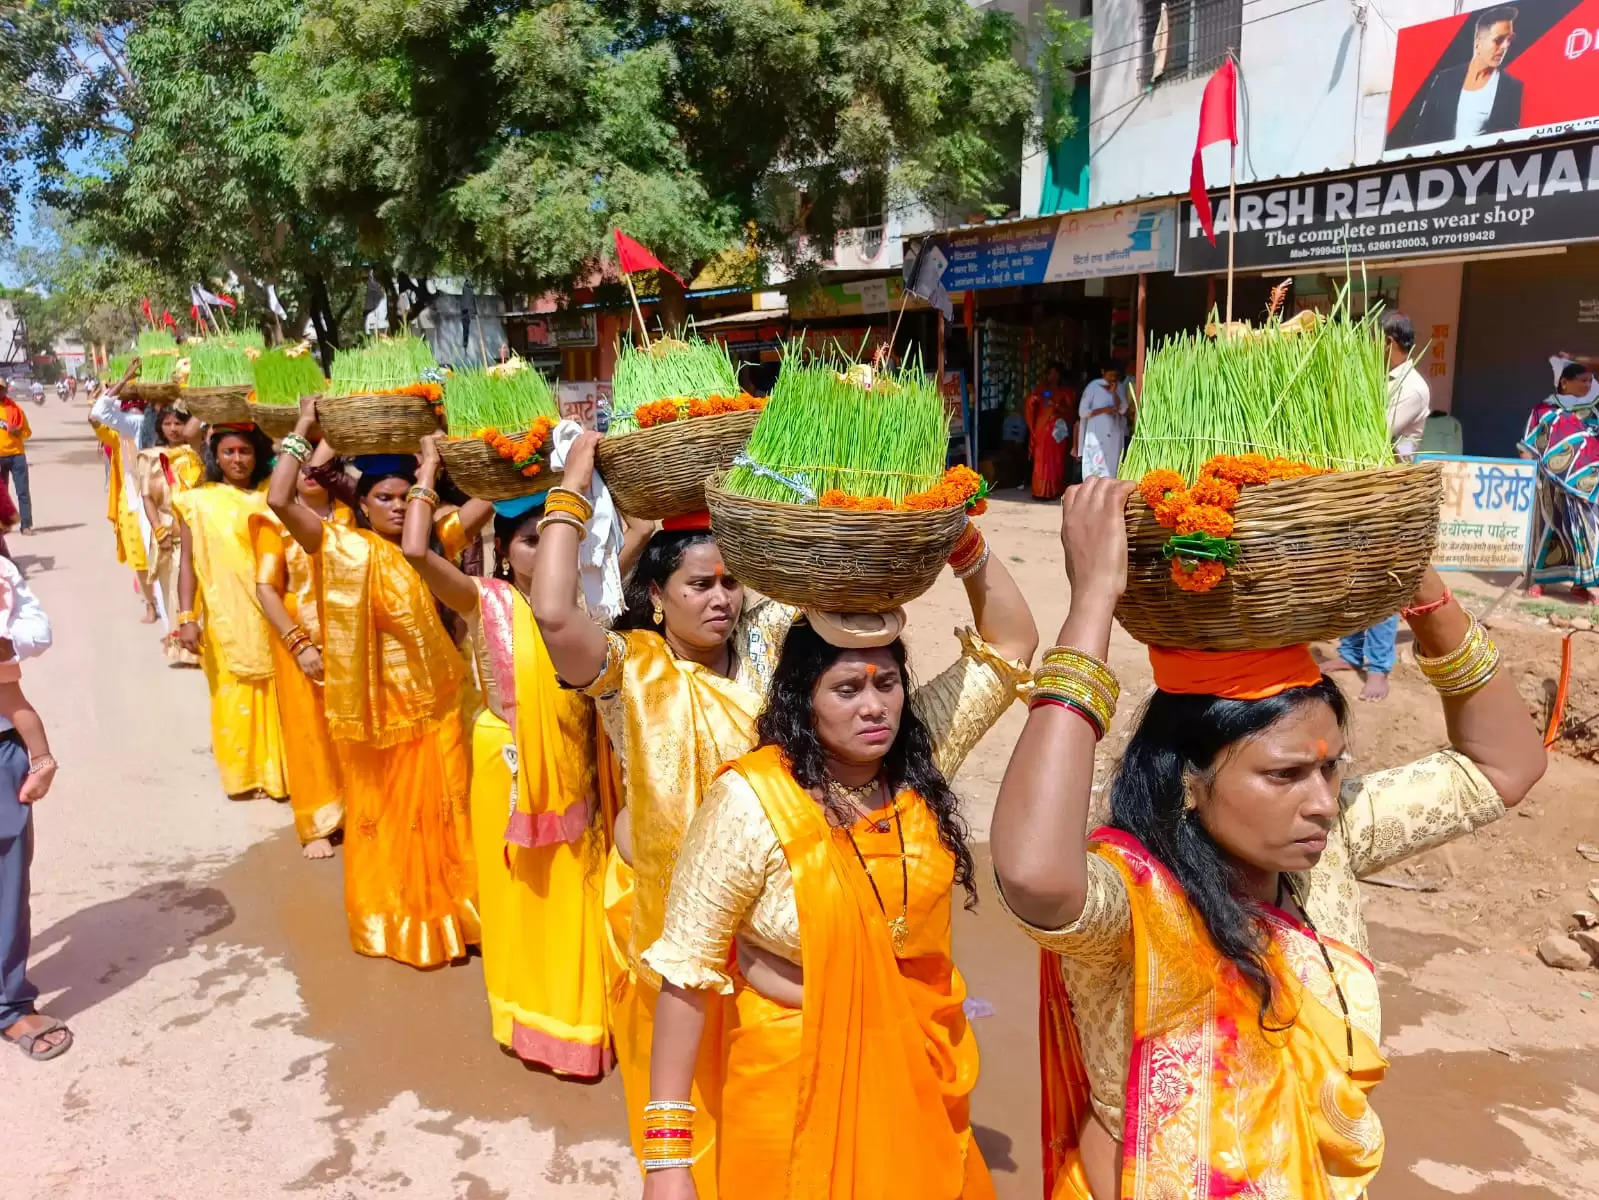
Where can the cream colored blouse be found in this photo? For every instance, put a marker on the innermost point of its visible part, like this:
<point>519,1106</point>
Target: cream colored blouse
<point>1387,816</point>
<point>732,876</point>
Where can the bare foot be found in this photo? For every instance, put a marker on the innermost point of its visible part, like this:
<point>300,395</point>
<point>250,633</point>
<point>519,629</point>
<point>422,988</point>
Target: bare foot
<point>1333,665</point>
<point>1376,687</point>
<point>150,615</point>
<point>320,848</point>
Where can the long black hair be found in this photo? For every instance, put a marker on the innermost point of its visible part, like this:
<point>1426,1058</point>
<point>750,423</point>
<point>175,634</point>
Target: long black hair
<point>789,722</point>
<point>662,555</point>
<point>1180,740</point>
<point>505,531</point>
<point>263,454</point>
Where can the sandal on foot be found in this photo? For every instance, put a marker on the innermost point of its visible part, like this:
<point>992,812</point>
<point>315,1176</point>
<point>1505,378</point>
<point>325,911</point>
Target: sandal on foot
<point>26,1041</point>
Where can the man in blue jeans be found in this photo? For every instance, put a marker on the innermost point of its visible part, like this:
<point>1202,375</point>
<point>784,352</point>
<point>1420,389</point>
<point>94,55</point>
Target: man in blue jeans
<point>1409,402</point>
<point>22,784</point>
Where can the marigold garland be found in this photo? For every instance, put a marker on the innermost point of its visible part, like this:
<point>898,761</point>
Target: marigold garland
<point>1207,506</point>
<point>524,451</point>
<point>682,408</point>
<point>960,486</point>
<point>431,392</point>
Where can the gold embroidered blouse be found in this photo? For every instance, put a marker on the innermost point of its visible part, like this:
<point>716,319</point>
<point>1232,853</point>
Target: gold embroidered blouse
<point>1386,816</point>
<point>732,876</point>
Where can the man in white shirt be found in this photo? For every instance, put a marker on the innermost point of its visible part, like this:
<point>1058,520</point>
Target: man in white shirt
<point>22,783</point>
<point>1409,401</point>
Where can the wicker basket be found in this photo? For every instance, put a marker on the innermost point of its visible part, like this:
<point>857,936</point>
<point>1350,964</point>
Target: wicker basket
<point>218,405</point>
<point>151,393</point>
<point>1317,558</point>
<point>830,558</point>
<point>480,472</point>
<point>660,472</point>
<point>376,423</point>
<point>275,420</point>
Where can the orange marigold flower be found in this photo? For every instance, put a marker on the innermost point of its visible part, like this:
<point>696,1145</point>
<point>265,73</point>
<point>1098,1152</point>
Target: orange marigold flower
<point>1215,492</point>
<point>1169,510</point>
<point>1206,518</point>
<point>1199,577</point>
<point>1238,469</point>
<point>835,498</point>
<point>1155,484</point>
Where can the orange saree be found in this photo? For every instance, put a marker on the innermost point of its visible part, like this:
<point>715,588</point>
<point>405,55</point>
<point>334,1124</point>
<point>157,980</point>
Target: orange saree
<point>862,1093</point>
<point>1219,1105</point>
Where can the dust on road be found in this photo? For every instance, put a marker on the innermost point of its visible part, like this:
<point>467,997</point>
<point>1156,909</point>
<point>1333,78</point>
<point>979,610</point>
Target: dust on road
<point>229,1043</point>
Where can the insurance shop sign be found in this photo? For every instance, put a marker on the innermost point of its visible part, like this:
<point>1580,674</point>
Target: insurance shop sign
<point>1479,203</point>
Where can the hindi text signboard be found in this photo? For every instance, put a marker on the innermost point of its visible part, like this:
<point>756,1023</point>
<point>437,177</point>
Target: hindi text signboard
<point>1485,523</point>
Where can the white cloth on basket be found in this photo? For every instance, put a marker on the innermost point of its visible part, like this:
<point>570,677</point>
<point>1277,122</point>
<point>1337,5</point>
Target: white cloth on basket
<point>599,554</point>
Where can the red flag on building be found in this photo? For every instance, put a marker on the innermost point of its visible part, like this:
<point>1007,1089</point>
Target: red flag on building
<point>1218,121</point>
<point>635,256</point>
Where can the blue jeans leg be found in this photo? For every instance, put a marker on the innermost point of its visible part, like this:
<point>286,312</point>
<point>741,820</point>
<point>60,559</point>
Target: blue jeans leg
<point>1352,649</point>
<point>1380,641</point>
<point>17,995</point>
<point>15,467</point>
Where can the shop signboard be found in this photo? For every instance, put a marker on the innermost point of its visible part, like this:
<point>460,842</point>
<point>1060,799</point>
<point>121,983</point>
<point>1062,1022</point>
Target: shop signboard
<point>1485,523</point>
<point>851,298</point>
<point>1498,201</point>
<point>1084,245</point>
<point>1530,67</point>
<point>586,401</point>
<point>563,330</point>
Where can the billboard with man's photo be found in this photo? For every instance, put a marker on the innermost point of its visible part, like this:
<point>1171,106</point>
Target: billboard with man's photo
<point>1500,71</point>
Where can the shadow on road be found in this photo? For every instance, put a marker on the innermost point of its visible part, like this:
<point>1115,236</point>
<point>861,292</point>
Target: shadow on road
<point>100,950</point>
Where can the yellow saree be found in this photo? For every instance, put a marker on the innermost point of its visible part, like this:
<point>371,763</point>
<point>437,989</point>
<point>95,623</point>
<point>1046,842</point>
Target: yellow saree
<point>316,789</point>
<point>163,473</point>
<point>540,854</point>
<point>236,654</point>
<point>863,1092</point>
<point>392,683</point>
<point>1219,1106</point>
<point>120,501</point>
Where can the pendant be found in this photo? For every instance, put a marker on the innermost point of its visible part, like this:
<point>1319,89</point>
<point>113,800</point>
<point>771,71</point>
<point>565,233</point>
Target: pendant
<point>899,929</point>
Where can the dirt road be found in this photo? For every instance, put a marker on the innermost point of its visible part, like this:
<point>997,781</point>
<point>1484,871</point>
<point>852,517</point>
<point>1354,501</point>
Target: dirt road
<point>230,1045</point>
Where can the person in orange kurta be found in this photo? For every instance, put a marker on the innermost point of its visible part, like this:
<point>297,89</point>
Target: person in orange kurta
<point>392,692</point>
<point>811,903</point>
<point>1050,411</point>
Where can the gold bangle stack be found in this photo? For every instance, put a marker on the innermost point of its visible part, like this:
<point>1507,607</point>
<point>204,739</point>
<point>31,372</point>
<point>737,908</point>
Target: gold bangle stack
<point>187,617</point>
<point>296,639</point>
<point>1071,679</point>
<point>668,1135</point>
<point>1467,668</point>
<point>565,500</point>
<point>425,494</point>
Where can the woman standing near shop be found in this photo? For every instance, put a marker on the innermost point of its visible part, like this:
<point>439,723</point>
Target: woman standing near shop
<point>391,694</point>
<point>285,587</point>
<point>1102,431</point>
<point>219,618</point>
<point>1206,962</point>
<point>1050,414</point>
<point>165,471</point>
<point>1563,436</point>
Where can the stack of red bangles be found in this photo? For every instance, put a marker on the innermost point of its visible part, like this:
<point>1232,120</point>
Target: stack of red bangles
<point>1071,679</point>
<point>668,1135</point>
<point>970,552</point>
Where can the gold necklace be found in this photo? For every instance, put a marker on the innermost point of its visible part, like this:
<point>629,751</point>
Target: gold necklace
<point>899,928</point>
<point>856,798</point>
<point>1284,883</point>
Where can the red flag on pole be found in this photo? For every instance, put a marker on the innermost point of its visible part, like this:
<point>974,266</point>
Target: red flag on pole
<point>166,319</point>
<point>1218,121</point>
<point>148,315</point>
<point>635,256</point>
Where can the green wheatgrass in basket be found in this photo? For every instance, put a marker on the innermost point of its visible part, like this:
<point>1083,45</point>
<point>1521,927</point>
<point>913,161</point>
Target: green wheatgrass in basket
<point>1319,396</point>
<point>282,378</point>
<point>670,367</point>
<point>117,366</point>
<point>508,398</point>
<point>213,364</point>
<point>158,354</point>
<point>380,365</point>
<point>825,431</point>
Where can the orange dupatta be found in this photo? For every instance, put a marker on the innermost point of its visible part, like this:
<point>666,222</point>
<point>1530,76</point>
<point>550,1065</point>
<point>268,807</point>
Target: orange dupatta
<point>1218,1106</point>
<point>887,1061</point>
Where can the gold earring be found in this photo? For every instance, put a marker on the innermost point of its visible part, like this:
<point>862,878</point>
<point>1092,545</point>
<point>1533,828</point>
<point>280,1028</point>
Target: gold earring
<point>660,613</point>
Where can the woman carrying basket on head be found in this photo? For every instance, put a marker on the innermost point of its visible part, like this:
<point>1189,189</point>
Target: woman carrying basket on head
<point>821,866</point>
<point>166,470</point>
<point>391,692</point>
<point>677,682</point>
<point>536,822</point>
<point>220,619</point>
<point>1205,959</point>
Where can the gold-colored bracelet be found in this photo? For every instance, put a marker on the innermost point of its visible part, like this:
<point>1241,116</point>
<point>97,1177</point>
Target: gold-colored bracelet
<point>187,617</point>
<point>426,494</point>
<point>668,1135</point>
<point>561,499</point>
<point>562,518</point>
<point>1465,669</point>
<point>1072,659</point>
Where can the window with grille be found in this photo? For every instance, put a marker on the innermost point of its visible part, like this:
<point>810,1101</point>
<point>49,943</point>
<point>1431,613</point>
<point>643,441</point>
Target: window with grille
<point>1184,38</point>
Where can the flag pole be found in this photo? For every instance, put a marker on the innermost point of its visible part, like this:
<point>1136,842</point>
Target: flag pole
<point>1232,199</point>
<point>637,311</point>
